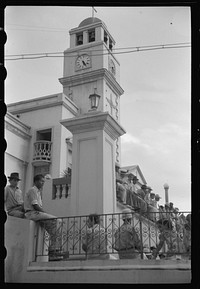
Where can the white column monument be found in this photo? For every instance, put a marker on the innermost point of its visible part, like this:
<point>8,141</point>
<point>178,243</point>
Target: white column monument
<point>93,187</point>
<point>166,187</point>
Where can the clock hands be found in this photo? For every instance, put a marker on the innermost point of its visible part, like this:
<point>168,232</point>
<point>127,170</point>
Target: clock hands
<point>83,61</point>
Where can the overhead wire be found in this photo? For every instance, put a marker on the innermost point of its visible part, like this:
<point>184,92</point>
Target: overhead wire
<point>34,28</point>
<point>132,50</point>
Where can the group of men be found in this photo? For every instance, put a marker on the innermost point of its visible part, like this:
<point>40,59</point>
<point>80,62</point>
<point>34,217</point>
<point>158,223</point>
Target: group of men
<point>128,244</point>
<point>126,240</point>
<point>142,200</point>
<point>30,207</point>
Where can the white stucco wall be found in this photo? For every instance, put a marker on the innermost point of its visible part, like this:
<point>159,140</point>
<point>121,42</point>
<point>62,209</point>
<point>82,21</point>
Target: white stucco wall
<point>18,137</point>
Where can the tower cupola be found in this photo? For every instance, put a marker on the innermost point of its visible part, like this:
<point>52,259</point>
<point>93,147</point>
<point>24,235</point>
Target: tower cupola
<point>91,30</point>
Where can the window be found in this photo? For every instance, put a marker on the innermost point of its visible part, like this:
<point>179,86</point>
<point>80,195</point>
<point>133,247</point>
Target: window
<point>105,37</point>
<point>43,135</point>
<point>91,35</point>
<point>110,44</point>
<point>79,39</point>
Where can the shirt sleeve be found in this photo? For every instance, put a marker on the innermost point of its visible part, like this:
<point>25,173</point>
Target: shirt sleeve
<point>19,197</point>
<point>33,197</point>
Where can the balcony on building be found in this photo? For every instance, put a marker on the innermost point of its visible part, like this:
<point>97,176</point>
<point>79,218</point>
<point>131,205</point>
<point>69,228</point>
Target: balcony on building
<point>42,152</point>
<point>42,148</point>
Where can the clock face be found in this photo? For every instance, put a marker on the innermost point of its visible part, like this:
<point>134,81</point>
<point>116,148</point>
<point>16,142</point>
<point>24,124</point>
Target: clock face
<point>112,68</point>
<point>83,61</point>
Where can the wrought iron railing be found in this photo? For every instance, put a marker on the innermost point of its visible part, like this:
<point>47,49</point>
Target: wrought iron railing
<point>42,151</point>
<point>73,238</point>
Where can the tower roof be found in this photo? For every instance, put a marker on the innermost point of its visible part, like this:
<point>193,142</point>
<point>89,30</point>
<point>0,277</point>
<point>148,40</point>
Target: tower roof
<point>90,20</point>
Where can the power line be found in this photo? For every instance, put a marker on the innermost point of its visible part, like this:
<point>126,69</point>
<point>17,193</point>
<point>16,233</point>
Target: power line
<point>34,28</point>
<point>119,48</point>
<point>13,55</point>
<point>38,30</point>
<point>133,49</point>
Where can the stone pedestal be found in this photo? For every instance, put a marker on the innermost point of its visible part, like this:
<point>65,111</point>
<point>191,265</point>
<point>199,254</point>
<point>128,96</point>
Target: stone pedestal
<point>38,249</point>
<point>93,162</point>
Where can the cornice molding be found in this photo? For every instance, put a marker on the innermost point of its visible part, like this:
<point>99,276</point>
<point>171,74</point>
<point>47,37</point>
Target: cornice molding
<point>94,121</point>
<point>16,130</point>
<point>9,117</point>
<point>42,98</point>
<point>35,107</point>
<point>70,105</point>
<point>64,100</point>
<point>25,163</point>
<point>92,76</point>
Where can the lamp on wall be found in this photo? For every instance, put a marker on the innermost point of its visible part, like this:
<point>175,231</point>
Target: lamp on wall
<point>94,101</point>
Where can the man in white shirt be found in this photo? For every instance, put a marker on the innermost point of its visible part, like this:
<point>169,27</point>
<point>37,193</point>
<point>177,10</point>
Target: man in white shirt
<point>35,212</point>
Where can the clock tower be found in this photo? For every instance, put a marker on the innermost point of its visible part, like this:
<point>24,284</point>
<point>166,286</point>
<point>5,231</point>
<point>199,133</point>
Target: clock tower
<point>90,66</point>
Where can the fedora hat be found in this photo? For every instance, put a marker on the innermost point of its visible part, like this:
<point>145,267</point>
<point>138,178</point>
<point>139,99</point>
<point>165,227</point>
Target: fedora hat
<point>143,187</point>
<point>14,176</point>
<point>132,177</point>
<point>127,214</point>
<point>157,197</point>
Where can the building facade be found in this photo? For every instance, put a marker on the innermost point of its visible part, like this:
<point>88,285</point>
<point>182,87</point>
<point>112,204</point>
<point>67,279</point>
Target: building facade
<point>90,68</point>
<point>71,132</point>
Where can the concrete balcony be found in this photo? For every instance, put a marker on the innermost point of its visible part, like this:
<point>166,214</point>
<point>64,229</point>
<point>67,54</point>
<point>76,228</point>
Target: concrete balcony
<point>42,152</point>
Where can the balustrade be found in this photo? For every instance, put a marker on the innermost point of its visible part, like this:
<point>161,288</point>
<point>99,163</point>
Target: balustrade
<point>61,188</point>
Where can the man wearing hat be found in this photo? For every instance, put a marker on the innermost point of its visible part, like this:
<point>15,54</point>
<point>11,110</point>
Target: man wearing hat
<point>147,194</point>
<point>127,241</point>
<point>142,203</point>
<point>141,191</point>
<point>131,197</point>
<point>13,197</point>
<point>121,186</point>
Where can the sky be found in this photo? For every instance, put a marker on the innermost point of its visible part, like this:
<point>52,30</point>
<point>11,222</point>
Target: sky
<point>155,109</point>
